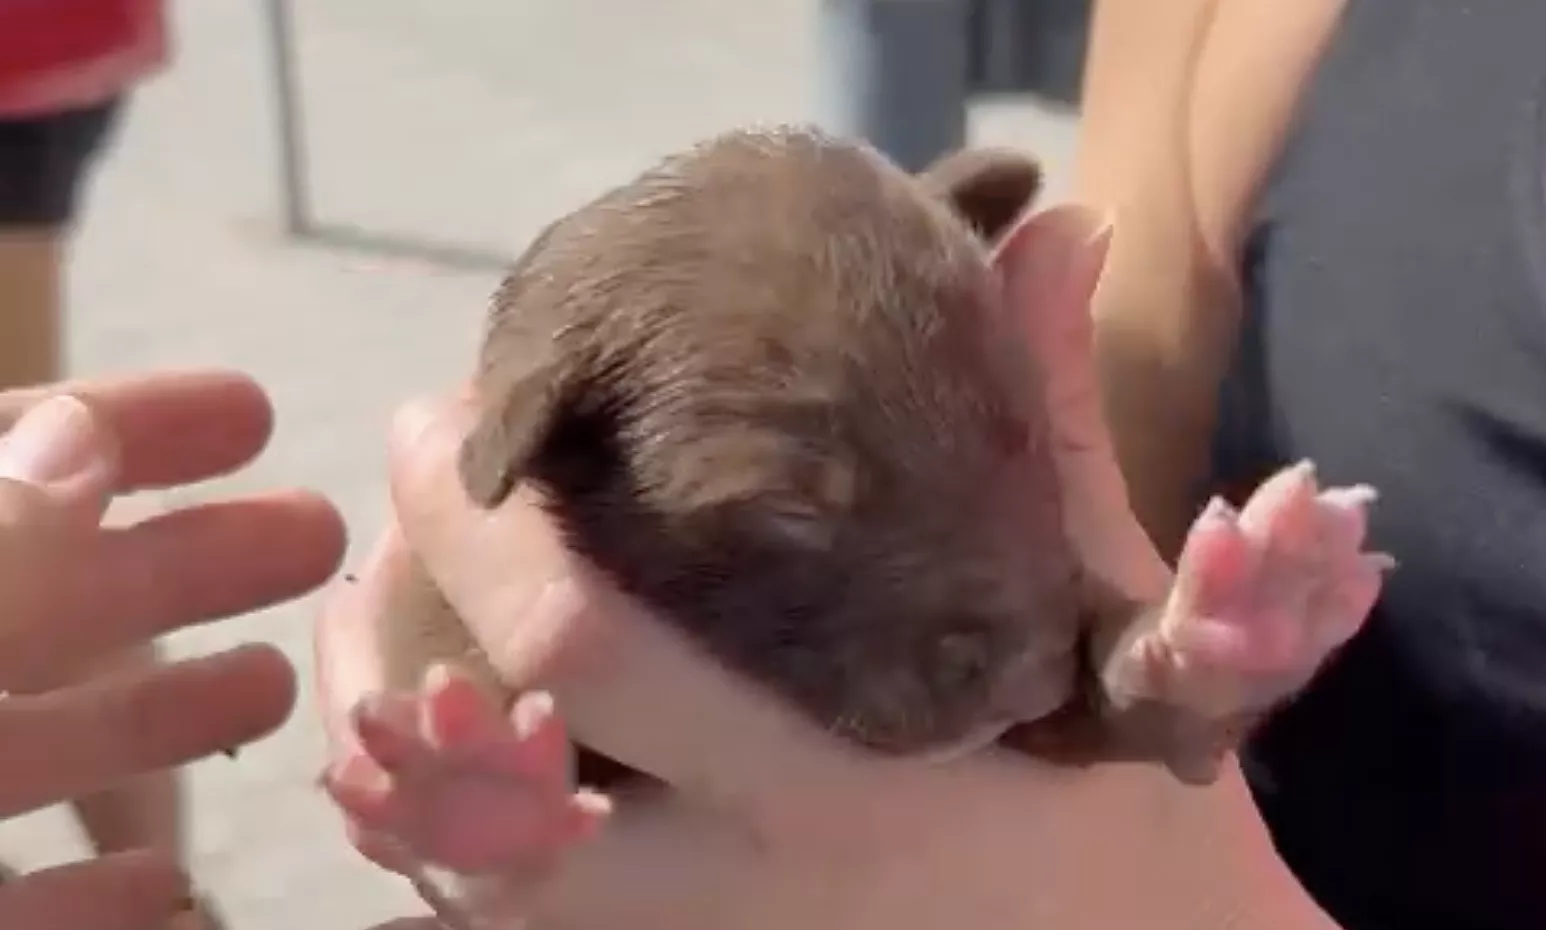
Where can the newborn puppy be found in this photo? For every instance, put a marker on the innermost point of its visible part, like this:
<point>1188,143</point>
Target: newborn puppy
<point>773,388</point>
<point>768,387</point>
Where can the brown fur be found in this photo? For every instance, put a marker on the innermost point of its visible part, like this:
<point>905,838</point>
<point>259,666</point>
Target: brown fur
<point>771,387</point>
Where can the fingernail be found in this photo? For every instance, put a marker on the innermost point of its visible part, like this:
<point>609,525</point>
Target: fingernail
<point>53,442</point>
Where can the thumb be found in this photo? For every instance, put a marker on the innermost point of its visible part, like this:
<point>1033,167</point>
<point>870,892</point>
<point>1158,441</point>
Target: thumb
<point>424,447</point>
<point>347,642</point>
<point>1050,266</point>
<point>59,462</point>
<point>505,571</point>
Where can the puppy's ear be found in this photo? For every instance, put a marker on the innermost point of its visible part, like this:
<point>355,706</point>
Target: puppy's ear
<point>515,425</point>
<point>988,187</point>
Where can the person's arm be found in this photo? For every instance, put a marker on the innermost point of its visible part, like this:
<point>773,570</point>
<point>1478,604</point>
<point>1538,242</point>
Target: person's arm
<point>1185,105</point>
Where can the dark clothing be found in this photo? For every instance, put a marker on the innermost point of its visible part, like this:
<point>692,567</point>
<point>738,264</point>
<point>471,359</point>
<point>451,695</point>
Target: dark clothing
<point>1396,334</point>
<point>44,161</point>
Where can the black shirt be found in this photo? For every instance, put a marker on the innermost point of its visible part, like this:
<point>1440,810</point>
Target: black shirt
<point>1396,334</point>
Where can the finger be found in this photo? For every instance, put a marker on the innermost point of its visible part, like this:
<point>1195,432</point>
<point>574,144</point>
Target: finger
<point>78,740</point>
<point>350,665</point>
<point>189,566</point>
<point>174,427</point>
<point>523,617</point>
<point>1050,265</point>
<point>427,493</point>
<point>124,891</point>
<point>58,466</point>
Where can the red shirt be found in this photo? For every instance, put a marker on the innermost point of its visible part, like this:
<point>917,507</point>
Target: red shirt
<point>63,54</point>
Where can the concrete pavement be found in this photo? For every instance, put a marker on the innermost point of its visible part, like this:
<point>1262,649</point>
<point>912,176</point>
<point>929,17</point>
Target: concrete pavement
<point>466,122</point>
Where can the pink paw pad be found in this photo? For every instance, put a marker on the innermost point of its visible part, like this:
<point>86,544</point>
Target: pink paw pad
<point>445,779</point>
<point>1264,595</point>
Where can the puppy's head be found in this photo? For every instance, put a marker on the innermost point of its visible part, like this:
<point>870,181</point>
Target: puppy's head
<point>771,386</point>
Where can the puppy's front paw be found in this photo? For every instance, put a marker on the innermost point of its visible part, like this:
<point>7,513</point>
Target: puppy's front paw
<point>1262,598</point>
<point>447,783</point>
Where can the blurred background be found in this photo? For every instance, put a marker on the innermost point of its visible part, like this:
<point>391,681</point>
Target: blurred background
<point>436,138</point>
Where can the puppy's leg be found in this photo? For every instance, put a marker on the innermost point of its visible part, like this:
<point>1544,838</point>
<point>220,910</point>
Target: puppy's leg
<point>1262,598</point>
<point>475,808</point>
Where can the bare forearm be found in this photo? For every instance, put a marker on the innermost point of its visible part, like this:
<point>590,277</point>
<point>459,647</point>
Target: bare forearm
<point>1134,159</point>
<point>1186,106</point>
<point>1160,391</point>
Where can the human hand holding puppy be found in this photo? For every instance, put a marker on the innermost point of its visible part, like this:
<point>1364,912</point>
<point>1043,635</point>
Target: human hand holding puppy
<point>778,391</point>
<point>732,747</point>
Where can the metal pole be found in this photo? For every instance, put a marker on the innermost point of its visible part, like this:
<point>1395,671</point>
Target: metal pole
<point>287,101</point>
<point>897,73</point>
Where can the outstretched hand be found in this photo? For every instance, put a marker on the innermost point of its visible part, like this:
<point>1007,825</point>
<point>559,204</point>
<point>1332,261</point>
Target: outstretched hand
<point>72,591</point>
